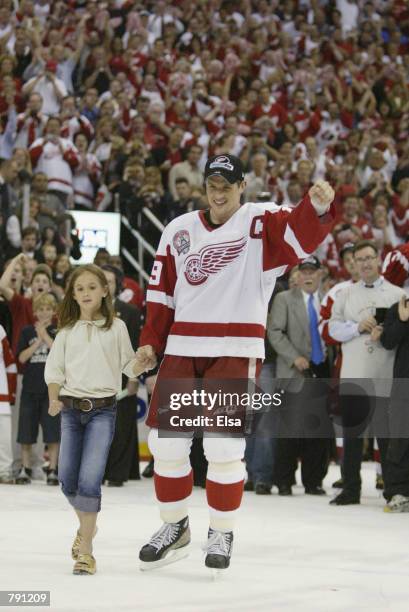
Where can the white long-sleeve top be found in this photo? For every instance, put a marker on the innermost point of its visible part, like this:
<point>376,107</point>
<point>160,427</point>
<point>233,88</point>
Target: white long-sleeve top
<point>88,361</point>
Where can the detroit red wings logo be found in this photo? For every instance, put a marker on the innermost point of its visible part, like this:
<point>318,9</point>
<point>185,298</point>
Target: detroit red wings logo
<point>211,259</point>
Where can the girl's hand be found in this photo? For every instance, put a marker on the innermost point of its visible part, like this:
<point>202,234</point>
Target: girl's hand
<point>146,359</point>
<point>55,407</point>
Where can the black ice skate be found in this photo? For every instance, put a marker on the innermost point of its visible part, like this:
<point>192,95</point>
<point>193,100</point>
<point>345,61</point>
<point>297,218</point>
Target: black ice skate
<point>167,545</point>
<point>24,476</point>
<point>218,548</point>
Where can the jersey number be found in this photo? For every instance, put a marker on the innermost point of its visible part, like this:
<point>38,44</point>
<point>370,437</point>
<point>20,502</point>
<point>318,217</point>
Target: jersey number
<point>156,272</point>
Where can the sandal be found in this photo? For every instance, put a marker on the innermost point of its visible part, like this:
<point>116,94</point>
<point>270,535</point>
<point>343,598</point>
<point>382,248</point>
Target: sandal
<point>85,564</point>
<point>75,550</point>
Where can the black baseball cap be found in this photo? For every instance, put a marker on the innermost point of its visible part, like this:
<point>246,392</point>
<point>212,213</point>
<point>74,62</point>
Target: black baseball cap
<point>227,166</point>
<point>310,262</point>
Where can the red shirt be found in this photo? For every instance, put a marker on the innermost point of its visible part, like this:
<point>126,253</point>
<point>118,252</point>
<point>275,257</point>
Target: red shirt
<point>21,309</point>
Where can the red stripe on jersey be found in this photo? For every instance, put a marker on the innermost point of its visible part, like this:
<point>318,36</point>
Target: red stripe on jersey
<point>83,195</point>
<point>57,180</point>
<point>71,158</point>
<point>325,313</point>
<point>155,332</point>
<point>219,330</point>
<point>35,154</point>
<point>325,335</point>
<point>159,317</point>
<point>173,489</point>
<point>326,308</point>
<point>11,370</point>
<point>224,497</point>
<point>309,230</point>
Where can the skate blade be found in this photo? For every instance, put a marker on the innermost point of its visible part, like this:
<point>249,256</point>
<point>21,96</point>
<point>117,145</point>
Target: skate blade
<point>171,557</point>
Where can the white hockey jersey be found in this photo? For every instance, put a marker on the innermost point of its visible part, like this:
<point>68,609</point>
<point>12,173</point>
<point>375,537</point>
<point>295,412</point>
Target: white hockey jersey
<point>209,289</point>
<point>47,157</point>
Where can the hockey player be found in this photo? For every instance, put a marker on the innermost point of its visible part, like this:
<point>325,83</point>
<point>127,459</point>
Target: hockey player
<point>207,302</point>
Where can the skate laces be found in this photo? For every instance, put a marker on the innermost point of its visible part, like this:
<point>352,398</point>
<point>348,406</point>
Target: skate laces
<point>165,535</point>
<point>218,543</point>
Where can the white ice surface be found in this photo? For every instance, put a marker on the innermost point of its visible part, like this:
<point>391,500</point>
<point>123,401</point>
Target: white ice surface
<point>290,554</point>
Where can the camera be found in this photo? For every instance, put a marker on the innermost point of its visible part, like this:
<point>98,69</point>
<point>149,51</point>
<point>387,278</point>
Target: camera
<point>380,314</point>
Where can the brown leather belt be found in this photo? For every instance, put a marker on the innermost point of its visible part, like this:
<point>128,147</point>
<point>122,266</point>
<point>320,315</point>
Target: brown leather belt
<point>86,404</point>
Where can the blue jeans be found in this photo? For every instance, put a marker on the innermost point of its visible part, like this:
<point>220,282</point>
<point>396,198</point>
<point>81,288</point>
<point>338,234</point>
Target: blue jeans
<point>260,447</point>
<point>85,442</point>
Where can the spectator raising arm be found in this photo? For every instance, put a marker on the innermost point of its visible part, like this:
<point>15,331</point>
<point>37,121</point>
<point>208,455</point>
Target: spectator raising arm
<point>5,280</point>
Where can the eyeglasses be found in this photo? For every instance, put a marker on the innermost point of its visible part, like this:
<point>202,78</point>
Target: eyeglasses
<point>366,259</point>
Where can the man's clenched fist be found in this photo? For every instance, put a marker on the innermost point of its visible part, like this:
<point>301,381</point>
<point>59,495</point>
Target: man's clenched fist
<point>146,359</point>
<point>321,195</point>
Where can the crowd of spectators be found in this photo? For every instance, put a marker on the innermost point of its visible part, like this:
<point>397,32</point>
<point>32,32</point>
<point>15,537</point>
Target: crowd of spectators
<point>120,102</point>
<point>116,105</point>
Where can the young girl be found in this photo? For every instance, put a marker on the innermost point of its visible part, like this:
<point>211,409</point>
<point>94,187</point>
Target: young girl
<point>83,374</point>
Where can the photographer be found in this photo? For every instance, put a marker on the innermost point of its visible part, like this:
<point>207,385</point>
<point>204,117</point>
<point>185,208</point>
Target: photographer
<point>30,124</point>
<point>395,335</point>
<point>51,89</point>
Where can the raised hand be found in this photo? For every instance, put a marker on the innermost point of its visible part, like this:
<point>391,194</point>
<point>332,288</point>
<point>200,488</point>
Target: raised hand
<point>321,195</point>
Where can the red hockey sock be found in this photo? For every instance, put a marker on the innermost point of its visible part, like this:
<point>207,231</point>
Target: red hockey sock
<point>173,489</point>
<point>224,497</point>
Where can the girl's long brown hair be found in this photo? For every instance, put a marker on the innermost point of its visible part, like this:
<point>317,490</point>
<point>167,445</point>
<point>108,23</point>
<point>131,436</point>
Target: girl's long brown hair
<point>69,311</point>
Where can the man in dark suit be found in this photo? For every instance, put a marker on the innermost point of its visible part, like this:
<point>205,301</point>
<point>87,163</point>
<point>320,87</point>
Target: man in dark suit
<point>125,443</point>
<point>293,332</point>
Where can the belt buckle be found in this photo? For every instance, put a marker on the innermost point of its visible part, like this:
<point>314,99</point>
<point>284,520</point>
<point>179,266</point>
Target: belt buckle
<point>85,399</point>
